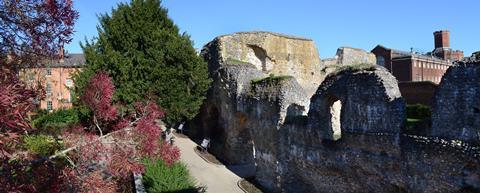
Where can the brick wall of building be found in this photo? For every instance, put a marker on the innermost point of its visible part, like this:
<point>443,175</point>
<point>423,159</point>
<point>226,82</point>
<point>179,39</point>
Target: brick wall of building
<point>425,69</point>
<point>418,92</point>
<point>402,68</point>
<point>57,82</point>
<point>385,54</point>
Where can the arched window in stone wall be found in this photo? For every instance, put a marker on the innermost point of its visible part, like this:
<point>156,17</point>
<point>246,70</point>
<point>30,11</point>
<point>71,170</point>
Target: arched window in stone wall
<point>357,102</point>
<point>335,118</point>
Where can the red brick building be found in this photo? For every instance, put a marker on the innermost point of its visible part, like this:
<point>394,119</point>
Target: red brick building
<point>411,66</point>
<point>419,74</point>
<point>442,47</point>
<point>418,92</point>
<point>408,66</point>
<point>56,77</point>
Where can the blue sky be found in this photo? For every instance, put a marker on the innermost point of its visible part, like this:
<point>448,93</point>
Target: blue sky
<point>331,24</point>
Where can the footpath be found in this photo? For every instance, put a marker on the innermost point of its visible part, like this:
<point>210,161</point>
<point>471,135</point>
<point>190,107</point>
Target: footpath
<point>217,178</point>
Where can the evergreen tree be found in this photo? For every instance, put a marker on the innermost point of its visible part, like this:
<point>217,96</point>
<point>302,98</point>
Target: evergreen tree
<point>144,52</point>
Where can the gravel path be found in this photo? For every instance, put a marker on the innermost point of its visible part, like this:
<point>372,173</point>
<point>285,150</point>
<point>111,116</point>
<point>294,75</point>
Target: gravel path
<point>217,178</point>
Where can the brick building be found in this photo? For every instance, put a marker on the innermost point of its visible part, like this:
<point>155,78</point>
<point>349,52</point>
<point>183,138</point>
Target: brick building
<point>56,78</point>
<point>419,74</point>
<point>411,66</point>
<point>442,47</point>
<point>418,92</point>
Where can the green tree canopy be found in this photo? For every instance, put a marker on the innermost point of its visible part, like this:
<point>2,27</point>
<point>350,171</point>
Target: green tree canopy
<point>144,52</point>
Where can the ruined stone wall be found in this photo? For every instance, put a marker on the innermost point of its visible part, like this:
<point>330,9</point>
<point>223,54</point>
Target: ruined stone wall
<point>371,154</point>
<point>234,61</point>
<point>350,56</point>
<point>269,102</point>
<point>273,53</point>
<point>346,138</point>
<point>366,97</point>
<point>456,108</point>
<point>222,117</point>
<point>376,163</point>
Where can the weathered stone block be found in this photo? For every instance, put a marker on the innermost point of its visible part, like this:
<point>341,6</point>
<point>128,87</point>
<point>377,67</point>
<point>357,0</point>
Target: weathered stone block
<point>352,56</point>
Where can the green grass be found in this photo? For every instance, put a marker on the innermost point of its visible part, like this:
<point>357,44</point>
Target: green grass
<point>412,121</point>
<point>159,177</point>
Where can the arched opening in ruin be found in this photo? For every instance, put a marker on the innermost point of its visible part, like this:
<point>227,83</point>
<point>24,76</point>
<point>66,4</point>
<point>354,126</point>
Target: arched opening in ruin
<point>335,123</point>
<point>261,55</point>
<point>212,126</point>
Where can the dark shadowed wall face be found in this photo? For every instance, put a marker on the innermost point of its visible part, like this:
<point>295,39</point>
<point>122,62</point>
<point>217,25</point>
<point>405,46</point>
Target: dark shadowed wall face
<point>456,108</point>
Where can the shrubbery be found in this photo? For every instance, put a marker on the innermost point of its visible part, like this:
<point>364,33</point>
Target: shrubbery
<point>56,121</point>
<point>43,145</point>
<point>160,177</point>
<point>418,119</point>
<point>418,111</point>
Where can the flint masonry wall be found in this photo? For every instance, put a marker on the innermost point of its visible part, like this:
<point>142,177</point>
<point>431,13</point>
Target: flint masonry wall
<point>268,104</point>
<point>273,53</point>
<point>234,61</point>
<point>350,56</point>
<point>223,118</point>
<point>346,138</point>
<point>371,154</point>
<point>456,108</point>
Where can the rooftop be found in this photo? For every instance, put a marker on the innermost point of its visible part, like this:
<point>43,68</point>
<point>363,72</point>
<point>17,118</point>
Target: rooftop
<point>401,54</point>
<point>70,60</point>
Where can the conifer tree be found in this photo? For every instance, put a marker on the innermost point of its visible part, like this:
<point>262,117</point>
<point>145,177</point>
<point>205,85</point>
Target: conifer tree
<point>141,48</point>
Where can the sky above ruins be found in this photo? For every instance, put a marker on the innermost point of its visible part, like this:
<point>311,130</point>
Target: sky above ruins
<point>331,24</point>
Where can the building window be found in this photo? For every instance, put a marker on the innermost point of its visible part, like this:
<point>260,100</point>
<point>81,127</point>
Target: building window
<point>380,61</point>
<point>48,89</point>
<point>69,83</point>
<point>49,105</point>
<point>49,72</point>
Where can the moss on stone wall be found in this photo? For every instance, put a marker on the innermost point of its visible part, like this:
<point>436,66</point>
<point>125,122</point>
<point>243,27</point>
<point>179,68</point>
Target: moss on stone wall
<point>234,61</point>
<point>270,79</point>
<point>355,67</point>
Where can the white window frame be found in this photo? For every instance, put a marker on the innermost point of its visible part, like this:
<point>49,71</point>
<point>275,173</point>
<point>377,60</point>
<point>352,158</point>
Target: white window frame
<point>49,105</point>
<point>48,89</point>
<point>69,82</point>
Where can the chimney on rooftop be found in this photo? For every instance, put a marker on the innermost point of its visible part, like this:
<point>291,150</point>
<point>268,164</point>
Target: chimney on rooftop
<point>442,39</point>
<point>61,54</point>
